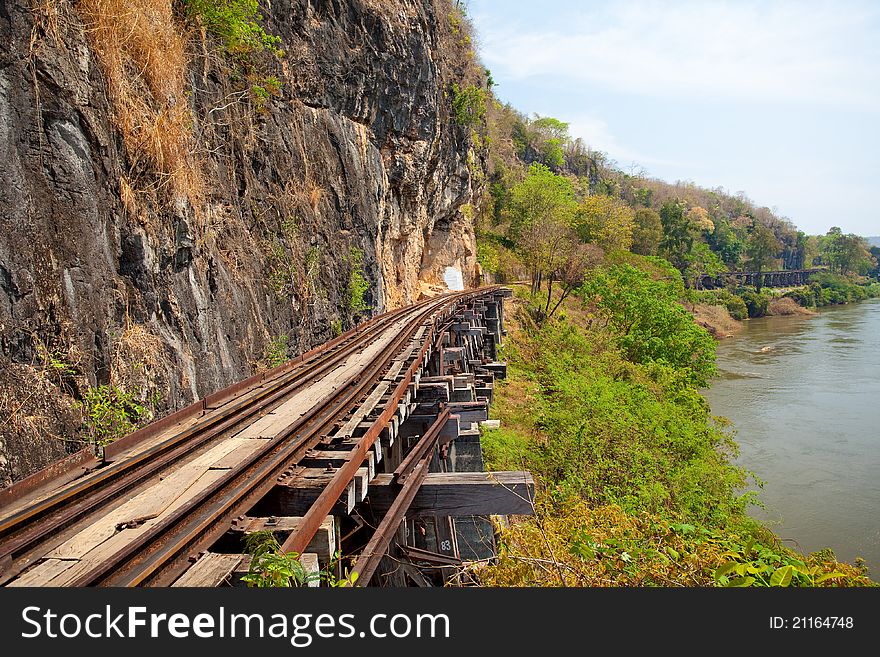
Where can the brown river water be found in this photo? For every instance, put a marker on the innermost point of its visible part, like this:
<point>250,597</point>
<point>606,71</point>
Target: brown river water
<point>803,394</point>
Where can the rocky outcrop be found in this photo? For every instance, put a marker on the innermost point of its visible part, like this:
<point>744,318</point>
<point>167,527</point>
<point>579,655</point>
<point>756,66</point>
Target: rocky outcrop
<point>106,278</point>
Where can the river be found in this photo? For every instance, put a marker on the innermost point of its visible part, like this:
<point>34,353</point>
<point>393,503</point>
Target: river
<point>804,396</point>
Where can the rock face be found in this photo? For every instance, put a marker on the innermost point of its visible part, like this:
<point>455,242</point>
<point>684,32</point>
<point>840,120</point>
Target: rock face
<point>356,165</point>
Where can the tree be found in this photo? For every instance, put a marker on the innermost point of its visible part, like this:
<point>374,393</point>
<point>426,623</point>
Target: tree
<point>581,161</point>
<point>542,139</point>
<point>699,220</point>
<point>725,242</point>
<point>702,261</point>
<point>542,206</point>
<point>677,238</point>
<point>606,222</point>
<point>811,251</point>
<point>846,254</point>
<point>647,231</point>
<point>578,260</point>
<point>652,326</point>
<point>875,254</point>
<point>761,249</point>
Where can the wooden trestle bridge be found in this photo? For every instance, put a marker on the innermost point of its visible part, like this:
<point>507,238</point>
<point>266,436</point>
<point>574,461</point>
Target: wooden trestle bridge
<point>367,447</point>
<point>782,278</point>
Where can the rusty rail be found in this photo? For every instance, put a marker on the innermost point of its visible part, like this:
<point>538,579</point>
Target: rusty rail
<point>426,443</point>
<point>158,556</point>
<point>33,525</point>
<point>409,475</point>
<point>375,549</point>
<point>313,518</point>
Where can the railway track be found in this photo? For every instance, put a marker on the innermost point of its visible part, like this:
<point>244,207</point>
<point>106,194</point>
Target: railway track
<point>108,527</point>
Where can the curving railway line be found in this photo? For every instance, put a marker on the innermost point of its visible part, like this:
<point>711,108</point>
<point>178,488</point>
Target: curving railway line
<point>150,509</point>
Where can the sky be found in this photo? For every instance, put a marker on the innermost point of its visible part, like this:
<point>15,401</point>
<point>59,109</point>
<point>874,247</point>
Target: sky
<point>780,100</point>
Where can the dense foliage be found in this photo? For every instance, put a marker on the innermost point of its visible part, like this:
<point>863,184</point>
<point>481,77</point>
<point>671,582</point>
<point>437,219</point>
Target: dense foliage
<point>649,324</point>
<point>635,481</point>
<point>828,289</point>
<point>236,23</point>
<point>601,403</point>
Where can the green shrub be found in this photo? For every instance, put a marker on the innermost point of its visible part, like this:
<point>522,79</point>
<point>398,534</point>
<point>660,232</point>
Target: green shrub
<point>358,285</point>
<point>734,303</point>
<point>635,483</point>
<point>277,351</point>
<point>111,413</point>
<point>264,89</point>
<point>827,289</point>
<point>652,326</point>
<point>505,449</point>
<point>737,307</point>
<point>756,304</point>
<point>468,105</point>
<point>236,23</point>
<point>272,568</point>
<point>804,296</point>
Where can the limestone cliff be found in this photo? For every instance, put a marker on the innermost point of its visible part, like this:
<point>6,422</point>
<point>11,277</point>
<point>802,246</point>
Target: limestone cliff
<point>113,272</point>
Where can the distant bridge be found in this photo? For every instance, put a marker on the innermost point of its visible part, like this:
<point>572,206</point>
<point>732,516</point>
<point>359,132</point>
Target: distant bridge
<point>783,278</point>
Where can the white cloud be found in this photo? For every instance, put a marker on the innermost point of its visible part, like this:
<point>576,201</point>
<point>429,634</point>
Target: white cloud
<point>598,135</point>
<point>791,52</point>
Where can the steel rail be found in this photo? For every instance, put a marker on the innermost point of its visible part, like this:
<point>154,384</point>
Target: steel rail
<point>159,555</point>
<point>425,443</point>
<point>409,475</point>
<point>375,549</point>
<point>34,525</point>
<point>311,521</point>
<point>86,459</point>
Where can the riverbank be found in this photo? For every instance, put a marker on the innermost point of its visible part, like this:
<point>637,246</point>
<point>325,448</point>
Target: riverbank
<point>636,483</point>
<point>721,312</point>
<point>802,397</point>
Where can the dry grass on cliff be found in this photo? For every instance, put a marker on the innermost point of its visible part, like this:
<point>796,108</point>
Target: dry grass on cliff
<point>142,52</point>
<point>136,360</point>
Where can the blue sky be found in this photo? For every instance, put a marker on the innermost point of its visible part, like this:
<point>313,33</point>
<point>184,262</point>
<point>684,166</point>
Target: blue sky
<point>780,100</point>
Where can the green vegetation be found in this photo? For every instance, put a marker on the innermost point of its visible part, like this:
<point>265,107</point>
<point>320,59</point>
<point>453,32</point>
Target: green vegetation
<point>358,285</point>
<point>635,482</point>
<point>543,184</point>
<point>54,363</point>
<point>734,303</point>
<point>272,568</point>
<point>650,326</point>
<point>280,276</point>
<point>756,302</point>
<point>846,254</point>
<point>277,351</point>
<point>647,231</point>
<point>761,249</point>
<point>606,222</point>
<point>289,271</point>
<point>541,139</point>
<point>826,289</point>
<point>237,24</point>
<point>263,90</point>
<point>111,413</point>
<point>468,105</point>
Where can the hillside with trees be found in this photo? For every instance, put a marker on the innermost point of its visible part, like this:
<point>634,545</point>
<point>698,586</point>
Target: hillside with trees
<point>699,230</point>
<point>636,480</point>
